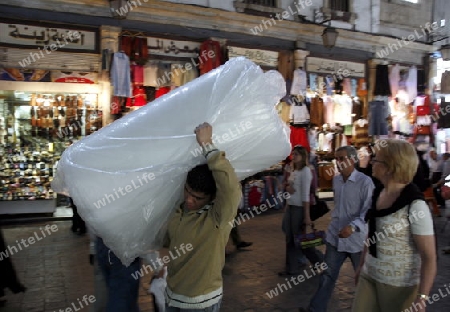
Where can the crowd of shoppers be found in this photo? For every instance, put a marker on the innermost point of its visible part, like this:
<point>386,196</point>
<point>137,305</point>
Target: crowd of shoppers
<point>394,269</point>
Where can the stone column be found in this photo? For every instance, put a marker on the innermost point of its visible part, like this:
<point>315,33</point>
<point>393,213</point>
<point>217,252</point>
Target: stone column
<point>300,58</point>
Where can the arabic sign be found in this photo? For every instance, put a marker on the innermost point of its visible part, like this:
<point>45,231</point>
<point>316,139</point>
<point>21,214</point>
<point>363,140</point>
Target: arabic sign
<point>167,47</point>
<point>260,57</point>
<point>325,66</point>
<point>30,36</point>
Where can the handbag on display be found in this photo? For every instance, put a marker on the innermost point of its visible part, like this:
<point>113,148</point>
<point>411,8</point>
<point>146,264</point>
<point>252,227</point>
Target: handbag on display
<point>312,239</point>
<point>318,210</point>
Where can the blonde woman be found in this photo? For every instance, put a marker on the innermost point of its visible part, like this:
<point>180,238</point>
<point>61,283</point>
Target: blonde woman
<point>398,266</point>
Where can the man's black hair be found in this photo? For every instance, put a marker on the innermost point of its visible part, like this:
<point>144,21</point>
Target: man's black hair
<point>200,179</point>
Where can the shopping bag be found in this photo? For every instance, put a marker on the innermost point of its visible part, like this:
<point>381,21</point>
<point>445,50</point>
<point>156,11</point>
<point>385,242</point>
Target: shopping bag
<point>318,210</point>
<point>445,192</point>
<point>312,239</point>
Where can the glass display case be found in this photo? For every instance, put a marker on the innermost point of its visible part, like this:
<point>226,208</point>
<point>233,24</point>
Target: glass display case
<point>35,129</point>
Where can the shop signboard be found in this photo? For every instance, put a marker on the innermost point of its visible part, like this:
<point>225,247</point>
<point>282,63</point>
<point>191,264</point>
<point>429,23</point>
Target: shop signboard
<point>327,66</point>
<point>48,37</point>
<point>260,57</point>
<point>173,48</point>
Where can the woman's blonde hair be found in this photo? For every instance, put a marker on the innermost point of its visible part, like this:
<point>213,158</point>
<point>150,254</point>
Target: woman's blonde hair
<point>401,159</point>
<point>305,157</point>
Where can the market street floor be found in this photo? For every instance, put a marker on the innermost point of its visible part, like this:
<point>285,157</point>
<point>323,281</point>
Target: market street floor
<point>57,272</point>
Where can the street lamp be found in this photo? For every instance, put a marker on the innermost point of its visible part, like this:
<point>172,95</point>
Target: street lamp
<point>329,37</point>
<point>118,8</point>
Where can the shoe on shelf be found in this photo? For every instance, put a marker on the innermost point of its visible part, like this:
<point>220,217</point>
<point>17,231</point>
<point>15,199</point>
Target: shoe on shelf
<point>243,245</point>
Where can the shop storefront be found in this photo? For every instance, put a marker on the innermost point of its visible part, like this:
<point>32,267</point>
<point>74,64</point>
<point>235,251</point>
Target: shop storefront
<point>49,97</point>
<point>441,98</point>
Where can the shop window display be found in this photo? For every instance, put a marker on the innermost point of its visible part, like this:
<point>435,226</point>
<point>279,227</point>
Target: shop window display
<point>35,129</point>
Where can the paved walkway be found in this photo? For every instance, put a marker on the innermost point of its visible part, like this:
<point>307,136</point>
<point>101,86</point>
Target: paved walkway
<point>57,272</point>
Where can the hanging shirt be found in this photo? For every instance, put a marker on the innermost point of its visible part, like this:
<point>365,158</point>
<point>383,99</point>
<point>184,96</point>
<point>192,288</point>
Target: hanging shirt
<point>161,91</point>
<point>343,109</point>
<point>299,136</point>
<point>299,82</point>
<point>316,109</point>
<point>299,114</point>
<point>137,74</point>
<point>347,86</point>
<point>313,82</point>
<point>394,79</point>
<point>189,75</point>
<point>177,74</point>
<point>320,85</point>
<point>312,138</point>
<point>207,63</point>
<point>328,105</point>
<point>378,113</point>
<point>120,75</point>
<point>339,140</point>
<point>151,75</point>
<point>320,141</point>
<point>354,87</point>
<point>360,133</point>
<point>362,87</point>
<point>445,82</point>
<point>411,84</point>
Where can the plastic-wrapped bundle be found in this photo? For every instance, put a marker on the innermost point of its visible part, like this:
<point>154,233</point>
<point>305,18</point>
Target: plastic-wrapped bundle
<point>127,177</point>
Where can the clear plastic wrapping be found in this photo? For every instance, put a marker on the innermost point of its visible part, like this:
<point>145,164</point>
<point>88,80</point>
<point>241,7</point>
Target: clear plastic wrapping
<point>127,177</point>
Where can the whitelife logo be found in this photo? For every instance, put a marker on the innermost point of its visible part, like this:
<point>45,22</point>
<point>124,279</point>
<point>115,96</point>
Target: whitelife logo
<point>31,240</point>
<point>416,35</point>
<point>231,135</point>
<point>177,252</point>
<point>53,47</point>
<point>266,23</point>
<point>147,177</point>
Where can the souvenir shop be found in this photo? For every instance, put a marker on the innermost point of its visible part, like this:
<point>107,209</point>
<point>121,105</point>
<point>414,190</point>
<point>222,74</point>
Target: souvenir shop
<point>328,107</point>
<point>48,102</point>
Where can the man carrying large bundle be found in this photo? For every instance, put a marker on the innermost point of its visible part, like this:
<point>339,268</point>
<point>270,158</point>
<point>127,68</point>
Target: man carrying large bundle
<point>211,194</point>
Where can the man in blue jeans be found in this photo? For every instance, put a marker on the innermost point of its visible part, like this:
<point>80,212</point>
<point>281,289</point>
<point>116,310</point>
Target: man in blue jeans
<point>122,287</point>
<point>347,230</point>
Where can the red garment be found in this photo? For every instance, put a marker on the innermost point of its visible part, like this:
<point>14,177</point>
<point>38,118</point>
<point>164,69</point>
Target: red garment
<point>139,96</point>
<point>137,75</point>
<point>254,197</point>
<point>116,105</point>
<point>207,49</point>
<point>126,44</point>
<point>423,110</point>
<point>299,136</point>
<point>161,91</point>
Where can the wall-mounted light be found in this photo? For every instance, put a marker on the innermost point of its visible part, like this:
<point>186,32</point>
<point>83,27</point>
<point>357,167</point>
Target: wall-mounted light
<point>445,52</point>
<point>329,37</point>
<point>118,8</point>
